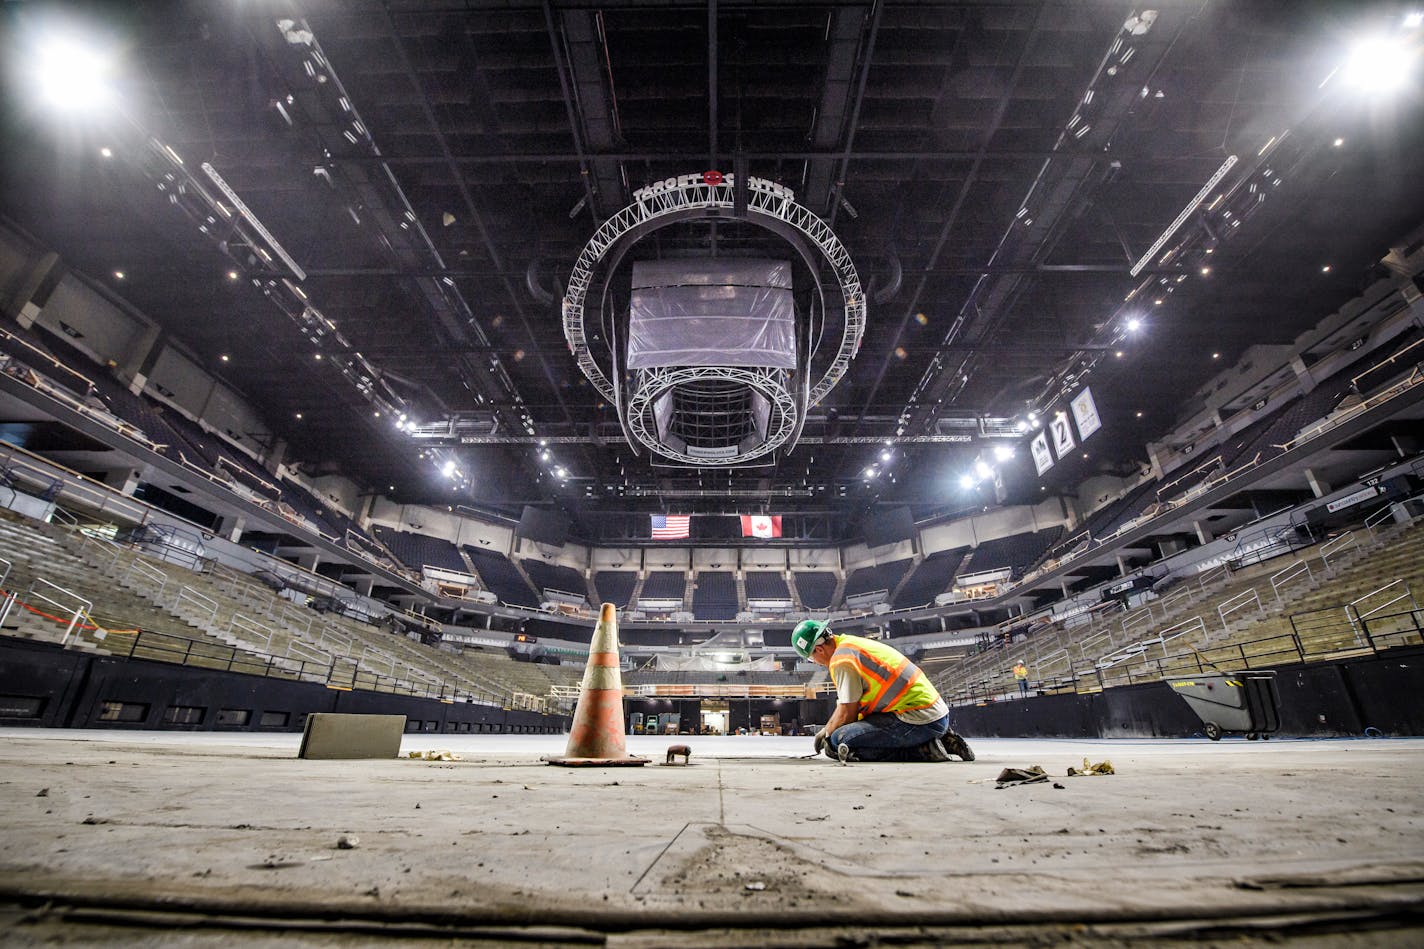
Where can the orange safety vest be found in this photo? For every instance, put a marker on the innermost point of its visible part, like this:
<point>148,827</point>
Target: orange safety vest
<point>892,682</point>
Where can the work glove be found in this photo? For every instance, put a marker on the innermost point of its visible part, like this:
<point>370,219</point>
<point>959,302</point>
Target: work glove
<point>820,740</point>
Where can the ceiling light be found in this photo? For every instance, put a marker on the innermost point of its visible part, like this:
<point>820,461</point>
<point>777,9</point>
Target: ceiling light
<point>299,416</point>
<point>118,275</point>
<point>1338,142</point>
<point>107,152</point>
<point>1413,19</point>
<point>1118,354</point>
<point>448,469</point>
<point>1379,64</point>
<point>1020,426</point>
<point>1033,416</point>
<point>1206,271</point>
<point>983,470</point>
<point>1325,269</point>
<point>224,357</point>
<point>316,355</point>
<point>1211,250</point>
<point>1158,301</point>
<point>376,414</point>
<point>884,456</point>
<point>966,481</point>
<point>1139,415</point>
<point>869,473</point>
<point>1003,452</point>
<point>561,472</point>
<point>1216,355</point>
<point>71,75</point>
<point>1134,324</point>
<point>232,275</point>
<point>1085,456</point>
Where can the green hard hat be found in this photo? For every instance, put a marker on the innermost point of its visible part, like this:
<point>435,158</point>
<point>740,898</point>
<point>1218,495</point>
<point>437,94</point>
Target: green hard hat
<point>805,636</point>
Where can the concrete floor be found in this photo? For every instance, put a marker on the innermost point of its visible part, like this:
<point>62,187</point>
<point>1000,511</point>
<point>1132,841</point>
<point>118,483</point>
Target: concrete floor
<point>141,838</point>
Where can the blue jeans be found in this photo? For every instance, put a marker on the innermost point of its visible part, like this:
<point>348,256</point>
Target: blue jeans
<point>883,737</point>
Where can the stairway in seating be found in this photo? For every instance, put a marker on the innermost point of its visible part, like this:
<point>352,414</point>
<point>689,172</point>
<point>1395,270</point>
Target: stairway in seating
<point>796,603</point>
<point>838,597</point>
<point>740,578</point>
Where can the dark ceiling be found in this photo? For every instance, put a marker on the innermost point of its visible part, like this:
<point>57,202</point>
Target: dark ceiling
<point>920,130</point>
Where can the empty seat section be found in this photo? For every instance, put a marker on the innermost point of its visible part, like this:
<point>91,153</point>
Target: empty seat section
<point>616,586</point>
<point>502,578</point>
<point>766,585</point>
<point>553,576</point>
<point>885,576</point>
<point>817,588</point>
<point>930,578</point>
<point>418,550</point>
<point>664,585</point>
<point>715,596</point>
<point>1015,552</point>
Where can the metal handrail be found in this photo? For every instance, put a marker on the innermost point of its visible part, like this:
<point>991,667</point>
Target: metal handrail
<point>1352,609</point>
<point>1206,577</point>
<point>83,610</point>
<point>1280,578</point>
<point>1345,541</point>
<point>197,599</point>
<point>150,573</point>
<point>6,572</point>
<point>1355,380</point>
<point>1235,604</point>
<point>241,627</point>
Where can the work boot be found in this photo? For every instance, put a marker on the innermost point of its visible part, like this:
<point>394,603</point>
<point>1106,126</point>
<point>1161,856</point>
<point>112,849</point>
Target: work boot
<point>844,753</point>
<point>934,750</point>
<point>956,745</point>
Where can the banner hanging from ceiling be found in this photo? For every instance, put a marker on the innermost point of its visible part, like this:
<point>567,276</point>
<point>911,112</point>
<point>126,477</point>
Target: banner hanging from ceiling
<point>1085,414</point>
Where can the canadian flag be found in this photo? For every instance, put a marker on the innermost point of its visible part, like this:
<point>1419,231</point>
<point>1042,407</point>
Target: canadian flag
<point>754,526</point>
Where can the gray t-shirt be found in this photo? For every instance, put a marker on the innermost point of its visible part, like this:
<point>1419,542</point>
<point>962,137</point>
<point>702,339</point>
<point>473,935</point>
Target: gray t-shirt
<point>850,687</point>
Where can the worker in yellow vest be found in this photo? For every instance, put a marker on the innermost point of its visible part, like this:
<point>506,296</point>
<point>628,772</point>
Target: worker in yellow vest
<point>1021,674</point>
<point>886,707</point>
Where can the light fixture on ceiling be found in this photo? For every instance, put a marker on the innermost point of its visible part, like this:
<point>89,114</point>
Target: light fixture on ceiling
<point>299,416</point>
<point>1379,64</point>
<point>224,357</point>
<point>1216,355</point>
<point>1325,269</point>
<point>118,275</point>
<point>1134,324</point>
<point>1338,142</point>
<point>967,481</point>
<point>106,152</point>
<point>72,75</point>
<point>232,275</point>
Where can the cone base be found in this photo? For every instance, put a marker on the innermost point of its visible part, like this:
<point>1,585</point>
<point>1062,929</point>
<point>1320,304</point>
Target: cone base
<point>597,762</point>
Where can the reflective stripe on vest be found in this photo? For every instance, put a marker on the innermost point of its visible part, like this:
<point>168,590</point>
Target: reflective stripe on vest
<point>892,682</point>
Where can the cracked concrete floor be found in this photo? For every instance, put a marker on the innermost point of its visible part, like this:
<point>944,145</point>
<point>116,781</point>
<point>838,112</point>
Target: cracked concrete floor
<point>749,837</point>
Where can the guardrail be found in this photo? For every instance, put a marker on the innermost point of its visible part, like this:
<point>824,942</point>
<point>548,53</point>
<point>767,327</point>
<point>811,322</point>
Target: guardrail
<point>1283,578</point>
<point>1336,548</point>
<point>204,605</point>
<point>1245,600</point>
<point>1397,591</point>
<point>80,611</point>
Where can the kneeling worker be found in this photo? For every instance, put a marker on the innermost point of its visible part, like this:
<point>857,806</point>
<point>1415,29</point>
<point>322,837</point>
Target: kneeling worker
<point>886,707</point>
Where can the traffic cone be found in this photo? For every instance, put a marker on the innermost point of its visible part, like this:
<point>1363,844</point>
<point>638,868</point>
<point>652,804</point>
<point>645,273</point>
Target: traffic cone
<point>596,737</point>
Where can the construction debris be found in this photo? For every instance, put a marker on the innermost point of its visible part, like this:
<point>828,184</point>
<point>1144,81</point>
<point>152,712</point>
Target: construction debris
<point>348,842</point>
<point>1014,777</point>
<point>1102,767</point>
<point>441,755</point>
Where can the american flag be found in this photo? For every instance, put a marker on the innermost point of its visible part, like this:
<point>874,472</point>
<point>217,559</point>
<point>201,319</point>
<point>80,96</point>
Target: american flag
<point>672,526</point>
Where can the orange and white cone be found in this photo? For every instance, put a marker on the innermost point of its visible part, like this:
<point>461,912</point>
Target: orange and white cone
<point>597,737</point>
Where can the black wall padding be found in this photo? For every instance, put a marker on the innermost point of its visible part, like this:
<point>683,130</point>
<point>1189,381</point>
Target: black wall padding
<point>45,686</point>
<point>1327,699</point>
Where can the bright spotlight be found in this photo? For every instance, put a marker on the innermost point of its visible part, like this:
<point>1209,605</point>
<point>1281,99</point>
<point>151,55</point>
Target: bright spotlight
<point>1413,19</point>
<point>983,470</point>
<point>884,456</point>
<point>1134,324</point>
<point>1379,64</point>
<point>967,482</point>
<point>448,469</point>
<point>1003,453</point>
<point>869,473</point>
<point>561,472</point>
<point>1020,426</point>
<point>71,75</point>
